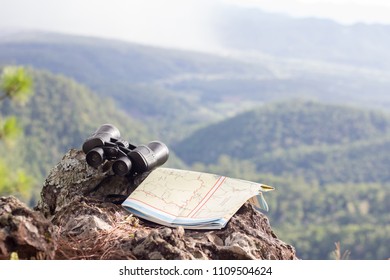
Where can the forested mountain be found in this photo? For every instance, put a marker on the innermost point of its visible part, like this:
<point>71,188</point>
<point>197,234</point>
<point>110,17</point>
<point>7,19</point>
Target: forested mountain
<point>59,116</point>
<point>135,76</point>
<point>314,217</point>
<point>327,143</point>
<point>329,165</point>
<point>176,92</point>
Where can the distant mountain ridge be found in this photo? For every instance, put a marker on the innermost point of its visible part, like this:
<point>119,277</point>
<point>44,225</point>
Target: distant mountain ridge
<point>250,29</point>
<point>135,76</point>
<point>324,142</point>
<point>176,92</point>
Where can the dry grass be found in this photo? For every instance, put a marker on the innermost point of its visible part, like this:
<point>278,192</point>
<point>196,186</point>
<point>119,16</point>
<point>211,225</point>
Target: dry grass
<point>113,244</point>
<point>337,252</point>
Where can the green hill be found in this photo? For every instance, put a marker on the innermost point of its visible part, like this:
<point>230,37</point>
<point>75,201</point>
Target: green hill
<point>60,116</point>
<point>329,165</point>
<point>327,143</point>
<point>176,92</point>
<point>140,79</point>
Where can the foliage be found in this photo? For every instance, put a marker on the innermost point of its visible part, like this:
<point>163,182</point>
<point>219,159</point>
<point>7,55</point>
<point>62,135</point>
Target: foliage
<point>14,183</point>
<point>16,84</point>
<point>313,217</point>
<point>9,130</point>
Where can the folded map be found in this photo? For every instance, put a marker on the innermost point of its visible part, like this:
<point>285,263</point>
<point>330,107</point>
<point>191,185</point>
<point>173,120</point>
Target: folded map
<point>193,200</point>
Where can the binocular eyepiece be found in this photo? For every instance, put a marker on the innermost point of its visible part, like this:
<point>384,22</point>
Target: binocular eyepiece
<point>106,144</point>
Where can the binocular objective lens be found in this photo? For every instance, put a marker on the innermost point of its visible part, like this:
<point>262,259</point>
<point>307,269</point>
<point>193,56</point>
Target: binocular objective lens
<point>95,157</point>
<point>122,166</point>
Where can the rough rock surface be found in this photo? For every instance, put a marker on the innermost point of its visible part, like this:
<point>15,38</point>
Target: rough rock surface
<point>78,201</point>
<point>24,231</point>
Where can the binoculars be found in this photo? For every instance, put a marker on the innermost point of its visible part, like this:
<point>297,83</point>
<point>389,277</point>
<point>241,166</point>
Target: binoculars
<point>106,144</point>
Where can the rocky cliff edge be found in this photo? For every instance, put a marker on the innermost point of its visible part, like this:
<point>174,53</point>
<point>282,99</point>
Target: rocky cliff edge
<point>77,218</point>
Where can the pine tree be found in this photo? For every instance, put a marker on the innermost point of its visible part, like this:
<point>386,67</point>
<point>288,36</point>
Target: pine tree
<point>15,84</point>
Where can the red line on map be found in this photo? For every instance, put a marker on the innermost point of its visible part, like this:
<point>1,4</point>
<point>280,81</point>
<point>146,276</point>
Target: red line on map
<point>216,182</point>
<point>215,187</point>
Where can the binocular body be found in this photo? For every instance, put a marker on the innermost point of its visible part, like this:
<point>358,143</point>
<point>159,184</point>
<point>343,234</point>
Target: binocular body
<point>104,134</point>
<point>106,144</point>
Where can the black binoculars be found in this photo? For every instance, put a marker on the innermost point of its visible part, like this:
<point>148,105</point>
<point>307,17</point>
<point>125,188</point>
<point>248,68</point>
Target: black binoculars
<point>106,144</point>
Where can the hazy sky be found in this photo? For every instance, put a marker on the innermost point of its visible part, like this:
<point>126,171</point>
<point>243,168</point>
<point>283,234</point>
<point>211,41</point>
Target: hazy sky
<point>170,23</point>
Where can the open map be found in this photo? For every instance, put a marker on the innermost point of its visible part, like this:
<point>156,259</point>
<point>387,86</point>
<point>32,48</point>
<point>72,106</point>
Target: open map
<point>174,197</point>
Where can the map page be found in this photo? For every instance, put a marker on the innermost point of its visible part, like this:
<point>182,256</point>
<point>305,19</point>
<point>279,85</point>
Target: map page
<point>190,199</point>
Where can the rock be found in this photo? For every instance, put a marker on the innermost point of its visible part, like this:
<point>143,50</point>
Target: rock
<point>78,200</point>
<point>72,179</point>
<point>24,232</point>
